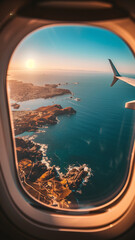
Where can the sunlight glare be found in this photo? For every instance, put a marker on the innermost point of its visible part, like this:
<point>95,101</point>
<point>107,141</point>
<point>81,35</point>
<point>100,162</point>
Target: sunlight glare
<point>30,64</point>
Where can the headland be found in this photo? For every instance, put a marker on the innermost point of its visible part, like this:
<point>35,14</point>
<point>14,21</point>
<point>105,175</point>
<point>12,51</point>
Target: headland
<point>32,120</point>
<point>20,91</point>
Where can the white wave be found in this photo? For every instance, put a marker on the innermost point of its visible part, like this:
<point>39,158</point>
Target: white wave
<point>57,168</point>
<point>32,137</point>
<point>25,137</point>
<point>40,131</point>
<point>58,121</point>
<point>46,163</point>
<point>86,169</point>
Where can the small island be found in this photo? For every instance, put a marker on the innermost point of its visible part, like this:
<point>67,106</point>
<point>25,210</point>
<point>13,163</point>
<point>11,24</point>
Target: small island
<point>15,105</point>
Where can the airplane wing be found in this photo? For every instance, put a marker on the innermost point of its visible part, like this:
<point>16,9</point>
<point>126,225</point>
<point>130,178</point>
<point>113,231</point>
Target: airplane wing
<point>131,81</point>
<point>117,76</point>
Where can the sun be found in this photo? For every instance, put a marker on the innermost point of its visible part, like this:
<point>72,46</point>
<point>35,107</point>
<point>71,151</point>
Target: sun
<point>30,63</point>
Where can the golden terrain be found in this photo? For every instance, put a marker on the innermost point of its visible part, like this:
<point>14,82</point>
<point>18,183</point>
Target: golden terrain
<point>45,182</point>
<point>32,120</point>
<point>20,91</point>
<point>41,180</point>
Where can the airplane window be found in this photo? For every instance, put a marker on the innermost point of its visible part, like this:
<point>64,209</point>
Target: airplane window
<point>71,95</point>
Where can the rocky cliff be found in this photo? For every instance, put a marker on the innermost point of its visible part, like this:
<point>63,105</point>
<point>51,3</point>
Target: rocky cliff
<point>32,120</point>
<point>45,182</point>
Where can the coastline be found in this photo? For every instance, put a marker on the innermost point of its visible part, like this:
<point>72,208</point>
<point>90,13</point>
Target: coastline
<point>32,120</point>
<point>43,181</point>
<point>46,182</point>
<point>20,91</point>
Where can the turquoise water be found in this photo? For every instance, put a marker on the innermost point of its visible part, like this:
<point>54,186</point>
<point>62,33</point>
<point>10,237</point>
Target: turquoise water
<point>99,134</point>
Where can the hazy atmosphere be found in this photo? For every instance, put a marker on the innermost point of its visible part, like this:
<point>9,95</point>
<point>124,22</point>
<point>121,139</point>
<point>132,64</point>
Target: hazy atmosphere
<point>73,134</point>
<point>72,48</point>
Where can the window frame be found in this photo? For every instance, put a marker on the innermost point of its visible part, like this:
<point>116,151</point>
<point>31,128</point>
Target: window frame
<point>117,214</point>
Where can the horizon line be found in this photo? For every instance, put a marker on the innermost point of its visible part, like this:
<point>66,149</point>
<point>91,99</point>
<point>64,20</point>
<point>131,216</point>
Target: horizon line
<point>63,70</point>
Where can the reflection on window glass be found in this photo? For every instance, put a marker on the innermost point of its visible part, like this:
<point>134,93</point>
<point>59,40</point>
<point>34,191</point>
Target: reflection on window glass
<point>73,133</point>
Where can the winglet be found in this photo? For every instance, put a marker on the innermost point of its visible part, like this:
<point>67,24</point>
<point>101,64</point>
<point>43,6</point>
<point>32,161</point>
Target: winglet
<point>116,73</point>
<point>115,79</point>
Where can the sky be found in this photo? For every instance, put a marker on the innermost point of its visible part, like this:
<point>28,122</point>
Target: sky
<point>81,48</point>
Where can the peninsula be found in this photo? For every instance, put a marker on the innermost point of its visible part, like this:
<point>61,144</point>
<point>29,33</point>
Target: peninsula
<point>31,120</point>
<point>20,91</point>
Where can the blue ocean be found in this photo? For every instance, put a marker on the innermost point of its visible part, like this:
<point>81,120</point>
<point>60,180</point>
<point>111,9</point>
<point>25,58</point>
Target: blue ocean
<point>100,134</point>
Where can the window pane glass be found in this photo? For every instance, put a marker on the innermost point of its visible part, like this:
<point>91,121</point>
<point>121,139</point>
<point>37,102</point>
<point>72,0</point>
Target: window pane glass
<point>73,131</point>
